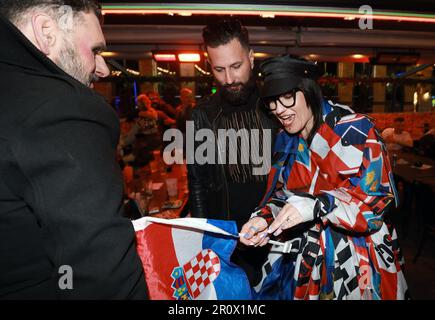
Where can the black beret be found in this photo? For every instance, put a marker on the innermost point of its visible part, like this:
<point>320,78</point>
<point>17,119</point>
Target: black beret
<point>284,73</point>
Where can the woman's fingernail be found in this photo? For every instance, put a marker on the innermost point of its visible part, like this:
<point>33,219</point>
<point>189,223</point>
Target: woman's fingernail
<point>263,235</point>
<point>246,236</point>
<point>251,243</point>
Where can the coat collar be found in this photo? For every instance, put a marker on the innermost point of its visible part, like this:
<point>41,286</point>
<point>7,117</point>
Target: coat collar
<point>18,51</point>
<point>333,112</point>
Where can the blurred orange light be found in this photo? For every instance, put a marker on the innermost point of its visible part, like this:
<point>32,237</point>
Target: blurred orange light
<point>164,57</point>
<point>357,56</point>
<point>189,57</point>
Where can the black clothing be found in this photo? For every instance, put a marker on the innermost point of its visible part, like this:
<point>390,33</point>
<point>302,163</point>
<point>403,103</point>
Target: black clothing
<point>60,185</point>
<point>209,190</point>
<point>425,146</point>
<point>215,193</point>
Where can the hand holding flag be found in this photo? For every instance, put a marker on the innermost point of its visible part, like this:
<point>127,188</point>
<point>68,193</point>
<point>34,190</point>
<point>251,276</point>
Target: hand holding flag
<point>189,258</point>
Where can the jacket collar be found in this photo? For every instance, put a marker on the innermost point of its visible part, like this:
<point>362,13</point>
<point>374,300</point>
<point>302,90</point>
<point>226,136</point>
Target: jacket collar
<point>18,51</point>
<point>333,112</point>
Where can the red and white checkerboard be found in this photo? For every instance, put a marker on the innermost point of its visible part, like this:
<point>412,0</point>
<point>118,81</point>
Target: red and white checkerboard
<point>202,270</point>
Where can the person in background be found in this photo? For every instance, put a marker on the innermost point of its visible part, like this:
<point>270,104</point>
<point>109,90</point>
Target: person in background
<point>127,137</point>
<point>396,138</point>
<point>329,190</point>
<point>425,146</point>
<point>230,191</point>
<point>184,113</point>
<point>62,234</point>
<point>159,104</point>
<point>150,127</point>
<point>184,109</point>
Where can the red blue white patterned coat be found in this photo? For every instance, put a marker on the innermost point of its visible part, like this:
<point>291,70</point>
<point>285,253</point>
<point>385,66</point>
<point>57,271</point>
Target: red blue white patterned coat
<point>342,185</point>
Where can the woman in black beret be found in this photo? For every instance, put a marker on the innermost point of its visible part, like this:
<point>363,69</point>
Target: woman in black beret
<point>329,188</point>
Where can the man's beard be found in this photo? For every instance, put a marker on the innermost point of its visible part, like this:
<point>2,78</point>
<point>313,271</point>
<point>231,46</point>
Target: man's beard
<point>69,61</point>
<point>240,96</point>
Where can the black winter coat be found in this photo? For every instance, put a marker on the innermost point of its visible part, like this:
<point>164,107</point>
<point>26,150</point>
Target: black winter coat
<point>60,186</point>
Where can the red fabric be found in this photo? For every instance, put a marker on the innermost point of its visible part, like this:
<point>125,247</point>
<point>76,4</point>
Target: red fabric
<point>147,243</point>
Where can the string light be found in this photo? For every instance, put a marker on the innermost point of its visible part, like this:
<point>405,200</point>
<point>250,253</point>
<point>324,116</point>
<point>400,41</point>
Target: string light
<point>165,71</point>
<point>117,73</point>
<point>202,71</point>
<point>133,72</point>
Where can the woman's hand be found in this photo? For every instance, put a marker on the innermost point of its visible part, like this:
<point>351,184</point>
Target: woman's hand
<point>254,232</point>
<point>288,217</point>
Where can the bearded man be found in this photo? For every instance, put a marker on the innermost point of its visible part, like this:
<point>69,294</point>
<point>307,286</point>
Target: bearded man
<point>62,235</point>
<point>224,188</point>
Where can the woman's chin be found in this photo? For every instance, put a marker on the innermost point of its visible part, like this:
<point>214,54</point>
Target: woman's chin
<point>292,129</point>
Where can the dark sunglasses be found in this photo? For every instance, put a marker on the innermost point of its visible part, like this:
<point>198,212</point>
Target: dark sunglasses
<point>287,100</point>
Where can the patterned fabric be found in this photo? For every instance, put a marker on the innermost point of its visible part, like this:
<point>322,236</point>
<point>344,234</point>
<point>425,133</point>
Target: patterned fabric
<point>201,271</point>
<point>342,186</point>
<point>189,258</point>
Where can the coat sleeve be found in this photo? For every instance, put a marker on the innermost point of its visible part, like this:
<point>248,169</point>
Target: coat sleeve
<point>359,202</point>
<point>73,186</point>
<point>197,178</point>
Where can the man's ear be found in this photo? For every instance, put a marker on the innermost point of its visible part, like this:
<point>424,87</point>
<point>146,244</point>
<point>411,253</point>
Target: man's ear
<point>45,30</point>
<point>251,58</point>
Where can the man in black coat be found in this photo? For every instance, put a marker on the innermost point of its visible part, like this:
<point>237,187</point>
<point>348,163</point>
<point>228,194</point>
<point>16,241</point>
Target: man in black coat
<point>222,188</point>
<point>61,231</point>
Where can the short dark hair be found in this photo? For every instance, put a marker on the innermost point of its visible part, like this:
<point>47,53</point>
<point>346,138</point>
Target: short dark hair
<point>224,31</point>
<point>13,9</point>
<point>313,97</point>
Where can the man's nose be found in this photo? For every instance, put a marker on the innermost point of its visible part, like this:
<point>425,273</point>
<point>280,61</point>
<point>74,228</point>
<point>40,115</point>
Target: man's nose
<point>229,78</point>
<point>101,69</point>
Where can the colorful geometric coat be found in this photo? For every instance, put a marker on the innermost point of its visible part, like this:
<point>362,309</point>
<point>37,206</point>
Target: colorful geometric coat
<point>343,183</point>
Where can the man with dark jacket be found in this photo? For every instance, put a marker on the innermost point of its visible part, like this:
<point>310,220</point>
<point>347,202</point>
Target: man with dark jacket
<point>221,188</point>
<point>61,231</point>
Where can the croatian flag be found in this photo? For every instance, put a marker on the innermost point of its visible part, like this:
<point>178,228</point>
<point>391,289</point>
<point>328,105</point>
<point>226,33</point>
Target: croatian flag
<point>189,258</point>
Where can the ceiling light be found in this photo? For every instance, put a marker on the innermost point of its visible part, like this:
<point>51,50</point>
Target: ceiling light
<point>189,57</point>
<point>267,15</point>
<point>165,57</point>
<point>265,10</point>
<point>357,56</point>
